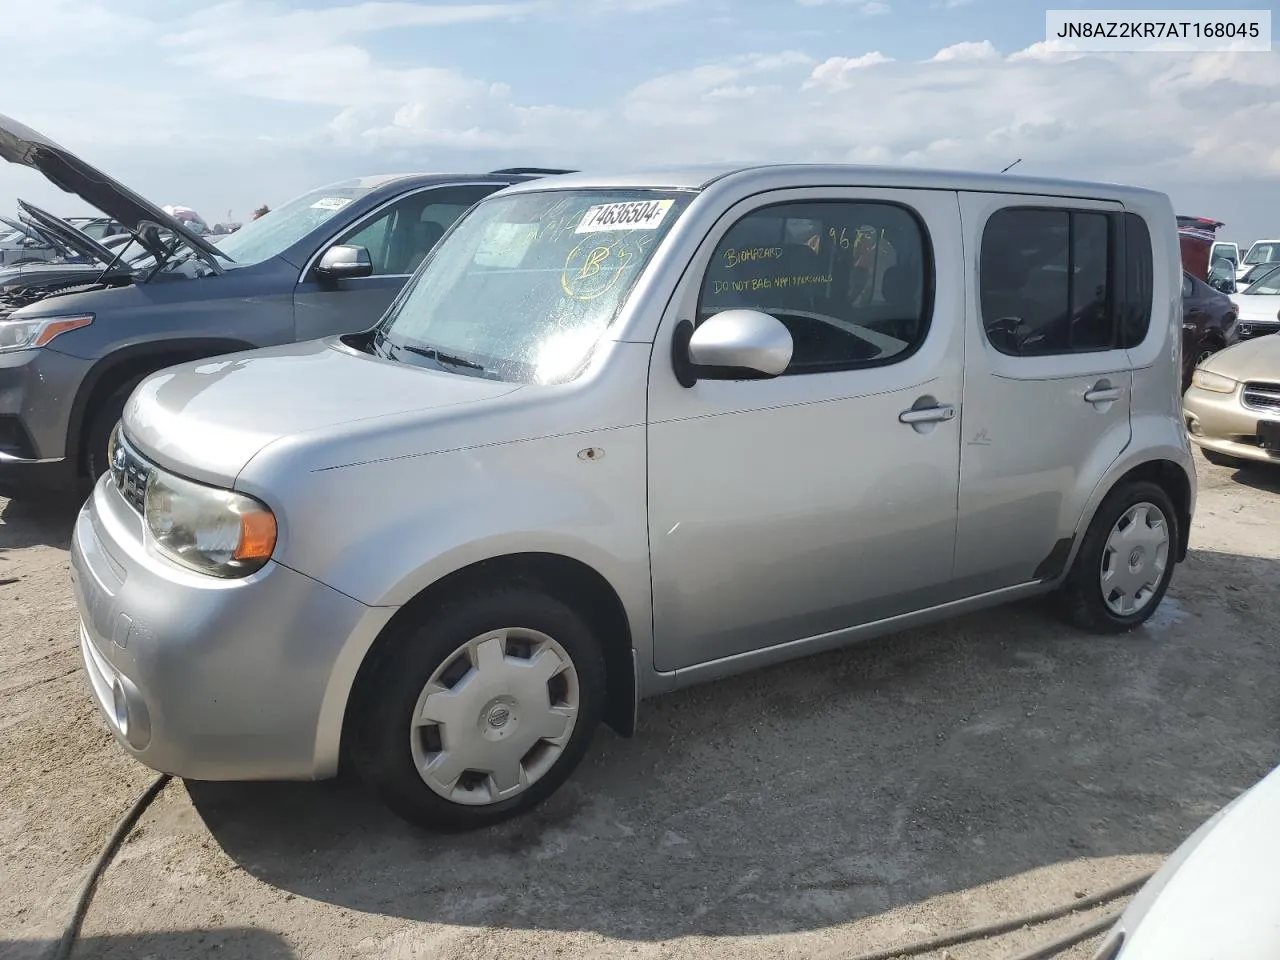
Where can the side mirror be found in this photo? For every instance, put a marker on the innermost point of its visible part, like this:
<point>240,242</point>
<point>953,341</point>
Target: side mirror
<point>733,345</point>
<point>342,262</point>
<point>1222,275</point>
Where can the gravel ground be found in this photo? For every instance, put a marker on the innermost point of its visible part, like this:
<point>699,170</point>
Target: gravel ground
<point>938,778</point>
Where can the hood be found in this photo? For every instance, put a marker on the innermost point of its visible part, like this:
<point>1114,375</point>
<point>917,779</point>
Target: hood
<point>32,232</point>
<point>1220,900</point>
<point>21,145</point>
<point>1257,359</point>
<point>67,235</point>
<point>207,419</point>
<point>1261,306</point>
<point>44,271</point>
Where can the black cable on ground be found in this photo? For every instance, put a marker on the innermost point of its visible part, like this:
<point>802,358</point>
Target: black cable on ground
<point>62,950</point>
<point>1051,948</point>
<point>1007,926</point>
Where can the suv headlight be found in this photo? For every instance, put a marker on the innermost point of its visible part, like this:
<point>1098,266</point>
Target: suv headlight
<point>1213,382</point>
<point>214,531</point>
<point>28,334</point>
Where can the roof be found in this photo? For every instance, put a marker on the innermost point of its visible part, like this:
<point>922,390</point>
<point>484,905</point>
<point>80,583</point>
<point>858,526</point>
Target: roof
<point>505,175</point>
<point>700,177</point>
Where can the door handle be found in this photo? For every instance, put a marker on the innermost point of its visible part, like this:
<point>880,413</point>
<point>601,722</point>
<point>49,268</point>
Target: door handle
<point>943,411</point>
<point>1102,395</point>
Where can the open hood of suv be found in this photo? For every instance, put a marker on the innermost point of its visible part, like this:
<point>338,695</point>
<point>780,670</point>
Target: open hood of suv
<point>31,231</point>
<point>66,234</point>
<point>21,145</point>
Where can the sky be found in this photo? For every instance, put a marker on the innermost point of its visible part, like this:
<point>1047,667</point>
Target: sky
<point>223,106</point>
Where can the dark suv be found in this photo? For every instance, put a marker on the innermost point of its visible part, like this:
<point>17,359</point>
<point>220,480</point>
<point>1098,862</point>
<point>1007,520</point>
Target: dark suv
<point>327,262</point>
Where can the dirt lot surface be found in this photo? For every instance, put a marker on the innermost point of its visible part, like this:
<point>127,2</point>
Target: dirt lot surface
<point>948,776</point>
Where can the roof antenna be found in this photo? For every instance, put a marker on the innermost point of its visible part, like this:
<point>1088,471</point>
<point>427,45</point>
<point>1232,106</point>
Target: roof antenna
<point>1012,165</point>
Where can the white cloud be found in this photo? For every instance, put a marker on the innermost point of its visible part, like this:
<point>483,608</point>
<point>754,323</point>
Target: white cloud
<point>869,8</point>
<point>834,73</point>
<point>969,50</point>
<point>212,86</point>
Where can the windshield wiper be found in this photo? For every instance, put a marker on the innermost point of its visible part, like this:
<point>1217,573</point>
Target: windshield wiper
<point>431,353</point>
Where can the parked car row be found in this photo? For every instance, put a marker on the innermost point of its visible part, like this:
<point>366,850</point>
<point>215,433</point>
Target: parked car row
<point>429,475</point>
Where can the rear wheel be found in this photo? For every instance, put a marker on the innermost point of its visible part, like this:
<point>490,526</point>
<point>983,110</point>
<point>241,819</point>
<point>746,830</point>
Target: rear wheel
<point>1125,561</point>
<point>482,711</point>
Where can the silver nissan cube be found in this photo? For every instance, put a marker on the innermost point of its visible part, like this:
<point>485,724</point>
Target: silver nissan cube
<point>623,434</point>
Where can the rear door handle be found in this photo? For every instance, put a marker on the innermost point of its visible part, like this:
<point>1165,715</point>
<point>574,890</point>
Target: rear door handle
<point>943,411</point>
<point>1102,395</point>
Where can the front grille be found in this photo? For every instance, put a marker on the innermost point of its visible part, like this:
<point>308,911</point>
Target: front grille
<point>130,473</point>
<point>1262,396</point>
<point>1252,329</point>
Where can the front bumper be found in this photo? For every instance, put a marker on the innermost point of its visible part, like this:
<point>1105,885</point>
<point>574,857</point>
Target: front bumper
<point>204,678</point>
<point>37,391</point>
<point>1220,422</point>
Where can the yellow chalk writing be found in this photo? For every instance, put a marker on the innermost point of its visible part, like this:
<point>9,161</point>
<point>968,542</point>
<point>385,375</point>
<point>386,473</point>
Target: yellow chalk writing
<point>769,283</point>
<point>734,256</point>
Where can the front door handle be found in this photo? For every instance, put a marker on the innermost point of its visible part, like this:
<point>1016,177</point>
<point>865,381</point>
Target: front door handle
<point>943,411</point>
<point>1102,395</point>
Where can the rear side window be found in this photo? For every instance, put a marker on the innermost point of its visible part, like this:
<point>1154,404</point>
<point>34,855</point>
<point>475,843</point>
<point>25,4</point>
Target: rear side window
<point>1138,280</point>
<point>1046,281</point>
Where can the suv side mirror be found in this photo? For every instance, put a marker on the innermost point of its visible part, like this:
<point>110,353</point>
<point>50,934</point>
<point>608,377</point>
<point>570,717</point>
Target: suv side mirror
<point>343,262</point>
<point>733,345</point>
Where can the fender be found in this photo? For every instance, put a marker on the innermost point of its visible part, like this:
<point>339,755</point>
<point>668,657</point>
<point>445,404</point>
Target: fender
<point>140,358</point>
<point>1162,443</point>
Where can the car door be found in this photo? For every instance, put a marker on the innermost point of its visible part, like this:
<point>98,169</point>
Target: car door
<point>398,235</point>
<point>789,508</point>
<point>1046,381</point>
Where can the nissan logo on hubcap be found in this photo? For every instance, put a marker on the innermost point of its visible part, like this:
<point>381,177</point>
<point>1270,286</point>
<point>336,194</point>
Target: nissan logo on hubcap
<point>498,716</point>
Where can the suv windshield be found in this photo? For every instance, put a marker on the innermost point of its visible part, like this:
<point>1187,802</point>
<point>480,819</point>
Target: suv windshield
<point>1263,253</point>
<point>275,232</point>
<point>525,284</point>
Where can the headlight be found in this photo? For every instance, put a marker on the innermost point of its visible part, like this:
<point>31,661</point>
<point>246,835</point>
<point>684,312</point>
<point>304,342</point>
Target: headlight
<point>26,334</point>
<point>1213,382</point>
<point>213,531</point>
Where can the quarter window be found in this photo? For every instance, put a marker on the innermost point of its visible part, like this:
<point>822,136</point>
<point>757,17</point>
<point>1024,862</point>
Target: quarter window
<point>1045,281</point>
<point>851,281</point>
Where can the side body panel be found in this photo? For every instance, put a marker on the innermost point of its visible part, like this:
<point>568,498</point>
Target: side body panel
<point>788,508</point>
<point>1033,448</point>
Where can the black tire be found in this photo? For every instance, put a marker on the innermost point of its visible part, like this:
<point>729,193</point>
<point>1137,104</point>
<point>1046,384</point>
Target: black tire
<point>1221,459</point>
<point>1204,349</point>
<point>101,422</point>
<point>390,692</point>
<point>1080,599</point>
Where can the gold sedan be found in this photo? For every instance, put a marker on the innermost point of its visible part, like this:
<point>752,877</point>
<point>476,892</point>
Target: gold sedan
<point>1232,407</point>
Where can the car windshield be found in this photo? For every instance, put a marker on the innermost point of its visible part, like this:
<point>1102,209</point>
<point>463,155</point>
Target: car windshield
<point>274,232</point>
<point>1259,272</point>
<point>525,284</point>
<point>1269,285</point>
<point>1263,253</point>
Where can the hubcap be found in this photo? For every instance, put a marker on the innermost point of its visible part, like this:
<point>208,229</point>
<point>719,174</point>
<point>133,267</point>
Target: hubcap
<point>1134,559</point>
<point>495,716</point>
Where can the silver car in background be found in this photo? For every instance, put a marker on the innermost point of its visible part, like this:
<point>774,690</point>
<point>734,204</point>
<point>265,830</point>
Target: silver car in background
<point>623,434</point>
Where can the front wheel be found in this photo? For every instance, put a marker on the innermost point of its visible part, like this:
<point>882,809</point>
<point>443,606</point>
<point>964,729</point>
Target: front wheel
<point>1125,561</point>
<point>482,711</point>
<point>101,422</point>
